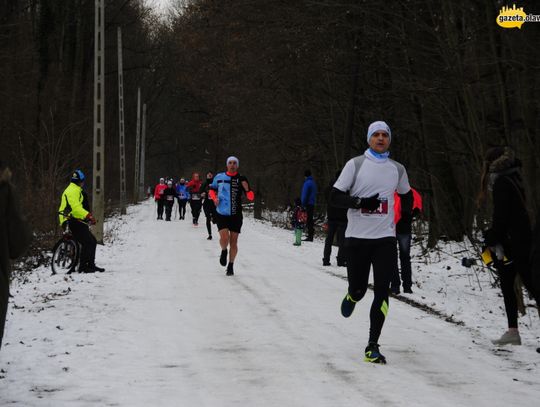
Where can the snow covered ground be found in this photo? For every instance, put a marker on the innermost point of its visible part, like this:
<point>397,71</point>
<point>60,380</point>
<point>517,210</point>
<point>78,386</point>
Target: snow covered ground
<point>164,326</point>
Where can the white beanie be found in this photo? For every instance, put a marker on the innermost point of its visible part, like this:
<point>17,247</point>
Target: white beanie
<point>233,158</point>
<point>378,126</point>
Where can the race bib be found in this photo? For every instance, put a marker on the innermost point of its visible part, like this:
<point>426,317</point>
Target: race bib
<point>380,212</point>
<point>170,198</point>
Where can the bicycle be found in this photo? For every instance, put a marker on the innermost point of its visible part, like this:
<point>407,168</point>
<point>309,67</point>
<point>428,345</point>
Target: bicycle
<point>66,252</point>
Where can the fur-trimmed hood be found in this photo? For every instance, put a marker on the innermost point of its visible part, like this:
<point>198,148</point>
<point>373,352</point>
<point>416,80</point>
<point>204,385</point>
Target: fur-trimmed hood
<point>5,175</point>
<point>504,162</point>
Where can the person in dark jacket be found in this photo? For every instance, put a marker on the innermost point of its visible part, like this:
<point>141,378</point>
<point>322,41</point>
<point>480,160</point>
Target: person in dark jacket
<point>337,223</point>
<point>510,235</point>
<point>208,205</point>
<point>168,196</point>
<point>309,194</point>
<point>14,238</point>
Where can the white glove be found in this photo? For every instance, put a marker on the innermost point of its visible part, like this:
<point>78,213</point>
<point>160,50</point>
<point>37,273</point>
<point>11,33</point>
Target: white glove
<point>499,252</point>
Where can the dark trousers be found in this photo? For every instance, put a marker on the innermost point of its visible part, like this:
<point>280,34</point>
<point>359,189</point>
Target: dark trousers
<point>209,210</point>
<point>160,208</point>
<point>4,300</point>
<point>335,228</point>
<point>309,223</point>
<point>195,209</point>
<point>361,255</point>
<point>182,208</point>
<point>520,265</point>
<point>88,242</point>
<point>404,246</point>
<point>168,209</point>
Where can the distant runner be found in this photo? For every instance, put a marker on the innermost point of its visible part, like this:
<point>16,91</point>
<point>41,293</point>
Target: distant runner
<point>226,192</point>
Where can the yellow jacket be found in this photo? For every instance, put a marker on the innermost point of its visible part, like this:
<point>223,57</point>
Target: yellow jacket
<point>72,203</point>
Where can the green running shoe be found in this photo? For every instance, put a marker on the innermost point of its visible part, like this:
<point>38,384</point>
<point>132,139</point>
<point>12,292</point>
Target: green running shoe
<point>373,355</point>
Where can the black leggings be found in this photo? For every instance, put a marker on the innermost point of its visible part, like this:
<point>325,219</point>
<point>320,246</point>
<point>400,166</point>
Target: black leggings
<point>335,228</point>
<point>195,209</point>
<point>521,266</point>
<point>160,208</point>
<point>182,208</point>
<point>209,209</point>
<point>82,234</point>
<point>361,255</point>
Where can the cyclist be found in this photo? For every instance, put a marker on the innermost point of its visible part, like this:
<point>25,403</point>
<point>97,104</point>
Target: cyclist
<point>75,212</point>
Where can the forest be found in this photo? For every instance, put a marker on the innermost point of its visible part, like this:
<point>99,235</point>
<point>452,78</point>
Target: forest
<point>283,85</point>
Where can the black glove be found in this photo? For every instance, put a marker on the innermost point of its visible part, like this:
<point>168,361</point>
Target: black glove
<point>489,238</point>
<point>370,203</point>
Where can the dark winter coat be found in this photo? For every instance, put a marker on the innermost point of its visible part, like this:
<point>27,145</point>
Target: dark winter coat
<point>208,204</point>
<point>334,213</point>
<point>14,238</point>
<point>169,194</point>
<point>511,225</point>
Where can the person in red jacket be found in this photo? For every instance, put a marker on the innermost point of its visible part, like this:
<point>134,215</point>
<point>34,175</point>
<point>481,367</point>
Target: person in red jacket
<point>195,201</point>
<point>158,197</point>
<point>404,212</point>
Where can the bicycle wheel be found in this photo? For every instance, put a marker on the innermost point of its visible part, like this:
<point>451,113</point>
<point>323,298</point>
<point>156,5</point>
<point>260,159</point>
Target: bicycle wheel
<point>65,256</point>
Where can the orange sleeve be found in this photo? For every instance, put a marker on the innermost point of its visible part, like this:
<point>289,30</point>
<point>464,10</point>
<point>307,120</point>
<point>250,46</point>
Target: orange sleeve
<point>212,194</point>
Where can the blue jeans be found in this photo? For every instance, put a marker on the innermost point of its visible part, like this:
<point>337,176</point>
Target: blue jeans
<point>404,245</point>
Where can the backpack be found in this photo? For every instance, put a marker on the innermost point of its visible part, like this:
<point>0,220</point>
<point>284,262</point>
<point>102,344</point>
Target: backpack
<point>301,216</point>
<point>359,160</point>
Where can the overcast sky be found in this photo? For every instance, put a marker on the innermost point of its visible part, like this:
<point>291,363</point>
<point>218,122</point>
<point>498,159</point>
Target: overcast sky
<point>160,5</point>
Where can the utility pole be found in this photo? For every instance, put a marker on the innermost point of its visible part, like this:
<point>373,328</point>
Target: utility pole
<point>143,152</point>
<point>121,126</point>
<point>98,187</point>
<point>137,149</point>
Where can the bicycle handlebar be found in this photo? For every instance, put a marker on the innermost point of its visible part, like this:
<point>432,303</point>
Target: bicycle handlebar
<point>73,218</point>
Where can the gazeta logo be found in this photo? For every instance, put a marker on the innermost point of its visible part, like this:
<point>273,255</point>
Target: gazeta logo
<point>511,17</point>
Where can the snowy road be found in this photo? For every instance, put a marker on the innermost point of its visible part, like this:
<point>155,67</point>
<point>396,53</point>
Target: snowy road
<point>166,327</point>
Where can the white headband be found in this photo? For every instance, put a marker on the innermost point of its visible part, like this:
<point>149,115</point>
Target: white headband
<point>233,158</point>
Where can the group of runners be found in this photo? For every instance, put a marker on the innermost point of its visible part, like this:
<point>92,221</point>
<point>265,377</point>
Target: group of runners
<point>220,197</point>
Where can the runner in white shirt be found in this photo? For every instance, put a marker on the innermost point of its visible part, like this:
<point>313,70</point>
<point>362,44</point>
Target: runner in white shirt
<point>366,186</point>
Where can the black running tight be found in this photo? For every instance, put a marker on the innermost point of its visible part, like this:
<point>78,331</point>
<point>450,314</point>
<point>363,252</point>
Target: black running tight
<point>361,255</point>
